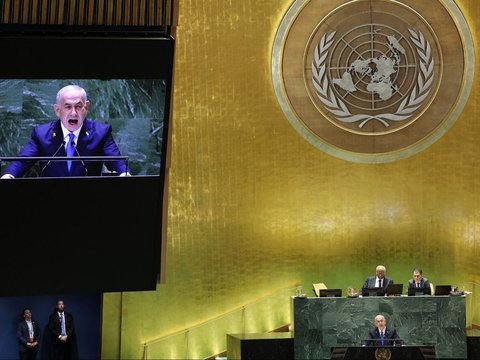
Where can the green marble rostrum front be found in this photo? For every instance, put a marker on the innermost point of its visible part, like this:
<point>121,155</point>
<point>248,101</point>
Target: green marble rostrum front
<point>322,323</point>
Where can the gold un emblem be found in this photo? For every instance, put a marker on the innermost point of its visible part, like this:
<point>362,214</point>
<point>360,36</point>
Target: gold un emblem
<point>372,81</point>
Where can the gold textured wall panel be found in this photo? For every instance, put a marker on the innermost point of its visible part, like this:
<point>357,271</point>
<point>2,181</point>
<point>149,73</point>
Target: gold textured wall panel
<point>253,207</point>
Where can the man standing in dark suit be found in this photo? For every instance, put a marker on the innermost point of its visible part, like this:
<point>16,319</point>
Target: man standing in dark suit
<point>71,135</point>
<point>62,329</point>
<point>379,280</point>
<point>418,280</point>
<point>28,335</point>
<point>382,335</point>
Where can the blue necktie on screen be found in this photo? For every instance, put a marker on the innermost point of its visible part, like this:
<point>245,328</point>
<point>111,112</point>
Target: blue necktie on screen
<point>62,324</point>
<point>381,337</point>
<point>70,150</point>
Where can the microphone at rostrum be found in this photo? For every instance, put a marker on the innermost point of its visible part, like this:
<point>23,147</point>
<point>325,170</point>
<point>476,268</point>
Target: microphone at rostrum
<point>78,154</point>
<point>54,154</point>
<point>388,342</point>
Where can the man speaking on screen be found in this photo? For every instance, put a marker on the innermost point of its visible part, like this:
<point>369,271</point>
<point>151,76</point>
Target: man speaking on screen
<point>72,135</point>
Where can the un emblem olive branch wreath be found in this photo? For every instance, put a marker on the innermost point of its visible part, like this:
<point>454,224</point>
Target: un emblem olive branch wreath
<point>411,102</point>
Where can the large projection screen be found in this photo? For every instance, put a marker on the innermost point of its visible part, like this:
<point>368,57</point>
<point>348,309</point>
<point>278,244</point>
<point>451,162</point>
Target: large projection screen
<point>85,234</point>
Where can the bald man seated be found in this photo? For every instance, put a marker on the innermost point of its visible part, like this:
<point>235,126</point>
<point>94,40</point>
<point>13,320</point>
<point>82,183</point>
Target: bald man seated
<point>380,280</point>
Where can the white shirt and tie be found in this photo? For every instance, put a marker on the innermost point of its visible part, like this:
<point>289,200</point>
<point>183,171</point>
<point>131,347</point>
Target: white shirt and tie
<point>74,140</point>
<point>62,324</point>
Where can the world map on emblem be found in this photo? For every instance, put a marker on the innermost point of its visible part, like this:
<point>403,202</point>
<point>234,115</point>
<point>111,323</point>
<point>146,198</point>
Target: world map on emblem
<point>379,71</point>
<point>373,73</point>
<point>373,81</point>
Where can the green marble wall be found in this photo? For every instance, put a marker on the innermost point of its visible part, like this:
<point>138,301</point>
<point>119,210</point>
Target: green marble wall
<point>321,323</point>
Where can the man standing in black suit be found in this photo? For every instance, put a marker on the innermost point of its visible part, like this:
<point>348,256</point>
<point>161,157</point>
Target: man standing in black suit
<point>383,335</point>
<point>379,280</point>
<point>63,332</point>
<point>28,335</point>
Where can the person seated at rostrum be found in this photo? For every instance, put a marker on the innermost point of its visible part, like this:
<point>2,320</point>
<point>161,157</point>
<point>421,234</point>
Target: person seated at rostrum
<point>418,280</point>
<point>379,280</point>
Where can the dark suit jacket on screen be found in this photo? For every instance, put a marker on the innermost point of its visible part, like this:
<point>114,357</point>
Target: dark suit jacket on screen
<point>390,337</point>
<point>23,334</point>
<point>371,280</point>
<point>424,283</point>
<point>95,139</point>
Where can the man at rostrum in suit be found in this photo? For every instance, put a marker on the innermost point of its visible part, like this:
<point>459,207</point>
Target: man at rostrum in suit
<point>418,280</point>
<point>28,335</point>
<point>63,340</point>
<point>383,335</point>
<point>90,138</point>
<point>379,280</point>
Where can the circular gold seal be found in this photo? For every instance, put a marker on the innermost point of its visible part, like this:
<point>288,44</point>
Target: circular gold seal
<point>383,354</point>
<point>372,80</point>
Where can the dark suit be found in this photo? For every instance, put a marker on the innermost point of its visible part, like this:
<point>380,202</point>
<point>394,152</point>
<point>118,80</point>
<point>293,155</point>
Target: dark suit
<point>94,139</point>
<point>390,337</point>
<point>371,281</point>
<point>424,283</point>
<point>62,350</point>
<point>23,336</point>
